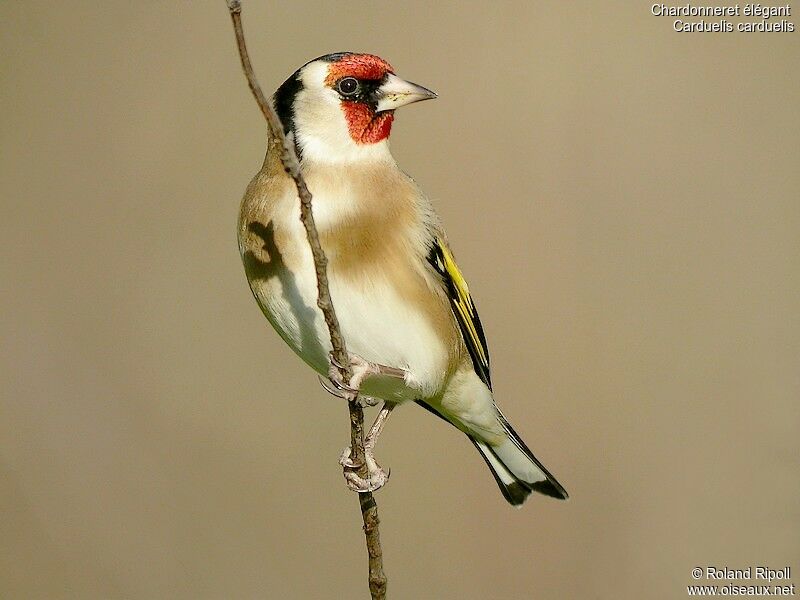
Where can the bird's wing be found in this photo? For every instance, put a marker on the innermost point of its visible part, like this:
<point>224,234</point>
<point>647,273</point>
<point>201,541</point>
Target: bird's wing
<point>462,305</point>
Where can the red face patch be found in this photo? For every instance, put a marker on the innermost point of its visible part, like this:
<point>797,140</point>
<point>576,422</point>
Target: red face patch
<point>360,66</point>
<point>364,124</point>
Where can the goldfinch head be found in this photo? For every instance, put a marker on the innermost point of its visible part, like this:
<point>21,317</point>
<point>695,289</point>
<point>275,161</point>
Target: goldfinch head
<point>340,107</point>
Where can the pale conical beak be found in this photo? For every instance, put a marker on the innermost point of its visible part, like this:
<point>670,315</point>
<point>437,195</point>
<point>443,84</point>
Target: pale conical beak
<point>396,92</point>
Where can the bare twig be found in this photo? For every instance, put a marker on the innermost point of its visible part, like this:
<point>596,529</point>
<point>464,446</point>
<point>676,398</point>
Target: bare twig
<point>369,509</point>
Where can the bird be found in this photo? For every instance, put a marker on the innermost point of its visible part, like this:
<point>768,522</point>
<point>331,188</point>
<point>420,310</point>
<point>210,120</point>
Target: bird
<point>405,310</point>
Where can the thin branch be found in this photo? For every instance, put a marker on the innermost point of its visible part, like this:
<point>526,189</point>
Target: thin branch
<point>369,509</point>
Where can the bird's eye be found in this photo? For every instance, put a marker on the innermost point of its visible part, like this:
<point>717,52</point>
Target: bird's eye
<point>348,86</point>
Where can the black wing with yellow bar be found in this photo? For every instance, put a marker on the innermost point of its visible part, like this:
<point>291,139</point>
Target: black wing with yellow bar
<point>463,307</point>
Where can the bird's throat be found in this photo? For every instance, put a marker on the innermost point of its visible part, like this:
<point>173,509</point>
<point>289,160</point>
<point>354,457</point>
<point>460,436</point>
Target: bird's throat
<point>365,125</point>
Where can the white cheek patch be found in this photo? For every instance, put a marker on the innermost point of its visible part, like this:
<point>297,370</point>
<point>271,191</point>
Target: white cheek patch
<point>321,126</point>
<point>314,74</point>
<point>317,111</point>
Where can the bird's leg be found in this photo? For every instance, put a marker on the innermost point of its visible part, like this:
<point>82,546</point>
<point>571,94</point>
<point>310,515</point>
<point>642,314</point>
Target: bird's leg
<point>377,427</point>
<point>376,476</point>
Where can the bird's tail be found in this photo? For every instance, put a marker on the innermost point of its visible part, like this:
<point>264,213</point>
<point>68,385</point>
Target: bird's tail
<point>517,471</point>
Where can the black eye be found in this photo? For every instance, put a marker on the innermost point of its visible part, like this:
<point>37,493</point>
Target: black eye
<point>348,86</point>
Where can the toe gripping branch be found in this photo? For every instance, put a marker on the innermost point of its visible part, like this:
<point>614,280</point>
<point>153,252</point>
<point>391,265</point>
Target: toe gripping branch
<point>366,476</point>
<point>376,476</point>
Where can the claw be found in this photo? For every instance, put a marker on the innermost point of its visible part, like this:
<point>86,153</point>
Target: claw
<point>346,394</point>
<point>376,476</point>
<point>358,484</point>
<point>347,462</point>
<point>335,362</point>
<point>341,389</point>
<point>360,368</point>
<point>329,386</point>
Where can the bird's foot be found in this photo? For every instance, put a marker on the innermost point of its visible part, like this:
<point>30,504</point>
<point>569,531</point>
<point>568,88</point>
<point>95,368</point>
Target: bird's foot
<point>376,477</point>
<point>361,400</point>
<point>349,389</point>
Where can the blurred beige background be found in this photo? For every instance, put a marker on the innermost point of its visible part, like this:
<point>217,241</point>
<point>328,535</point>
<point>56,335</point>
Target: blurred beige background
<point>623,199</point>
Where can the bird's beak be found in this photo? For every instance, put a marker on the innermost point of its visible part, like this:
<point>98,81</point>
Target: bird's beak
<point>396,92</point>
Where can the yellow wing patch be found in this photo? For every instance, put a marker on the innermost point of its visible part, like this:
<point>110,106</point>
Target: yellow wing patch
<point>463,308</point>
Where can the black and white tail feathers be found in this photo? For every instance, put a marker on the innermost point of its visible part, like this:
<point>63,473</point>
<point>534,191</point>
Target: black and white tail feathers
<point>517,471</point>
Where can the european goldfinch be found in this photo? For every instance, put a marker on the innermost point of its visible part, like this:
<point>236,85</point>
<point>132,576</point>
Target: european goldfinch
<point>404,307</point>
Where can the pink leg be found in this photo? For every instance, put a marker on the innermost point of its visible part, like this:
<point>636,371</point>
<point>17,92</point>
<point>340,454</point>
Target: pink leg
<point>376,476</point>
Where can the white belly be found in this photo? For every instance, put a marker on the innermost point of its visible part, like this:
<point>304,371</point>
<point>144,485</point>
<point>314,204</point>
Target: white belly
<point>376,322</point>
